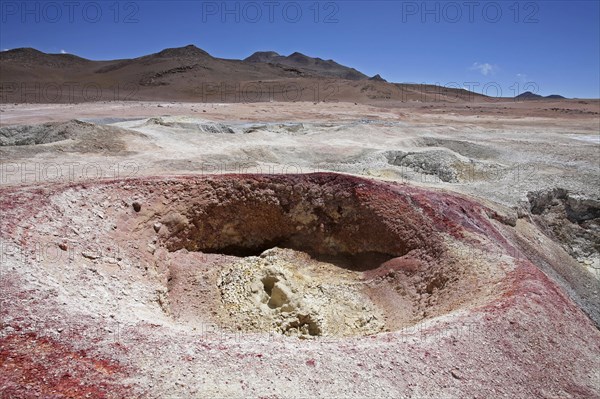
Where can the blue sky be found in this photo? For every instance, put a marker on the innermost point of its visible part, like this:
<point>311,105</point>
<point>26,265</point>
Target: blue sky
<point>543,46</point>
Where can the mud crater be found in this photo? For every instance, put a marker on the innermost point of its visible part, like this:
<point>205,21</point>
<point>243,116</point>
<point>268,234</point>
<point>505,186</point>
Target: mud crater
<point>315,255</point>
<point>321,255</point>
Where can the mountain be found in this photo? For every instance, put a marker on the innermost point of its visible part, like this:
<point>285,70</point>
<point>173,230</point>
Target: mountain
<point>191,74</point>
<point>262,56</point>
<point>31,57</point>
<point>316,66</point>
<point>528,96</point>
<point>531,96</point>
<point>378,78</point>
<point>189,51</point>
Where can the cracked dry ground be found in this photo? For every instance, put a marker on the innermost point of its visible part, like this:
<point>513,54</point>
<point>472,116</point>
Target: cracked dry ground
<point>281,286</point>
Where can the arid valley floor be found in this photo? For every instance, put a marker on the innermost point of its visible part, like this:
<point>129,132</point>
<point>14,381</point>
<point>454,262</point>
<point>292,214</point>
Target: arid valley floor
<point>300,249</point>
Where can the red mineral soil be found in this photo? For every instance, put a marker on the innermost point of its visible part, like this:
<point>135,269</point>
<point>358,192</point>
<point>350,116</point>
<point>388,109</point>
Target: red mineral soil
<point>276,286</point>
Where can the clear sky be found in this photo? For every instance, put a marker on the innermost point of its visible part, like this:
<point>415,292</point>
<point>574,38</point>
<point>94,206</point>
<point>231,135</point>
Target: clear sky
<point>512,46</point>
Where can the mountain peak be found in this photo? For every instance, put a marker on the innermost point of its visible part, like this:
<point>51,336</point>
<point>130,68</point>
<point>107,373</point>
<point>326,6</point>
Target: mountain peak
<point>528,95</point>
<point>378,78</point>
<point>312,65</point>
<point>178,52</point>
<point>262,56</point>
<point>532,96</point>
<point>23,51</point>
<point>300,58</point>
<point>29,56</point>
<point>298,55</point>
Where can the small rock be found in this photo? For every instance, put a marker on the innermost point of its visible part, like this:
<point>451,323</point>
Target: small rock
<point>157,226</point>
<point>62,246</point>
<point>455,374</point>
<point>136,206</point>
<point>90,255</point>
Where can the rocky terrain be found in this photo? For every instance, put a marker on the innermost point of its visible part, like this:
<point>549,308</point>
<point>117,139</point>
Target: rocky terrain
<point>283,250</point>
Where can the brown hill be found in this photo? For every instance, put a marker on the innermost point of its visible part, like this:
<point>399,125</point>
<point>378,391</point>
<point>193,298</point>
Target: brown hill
<point>191,74</point>
<point>31,58</point>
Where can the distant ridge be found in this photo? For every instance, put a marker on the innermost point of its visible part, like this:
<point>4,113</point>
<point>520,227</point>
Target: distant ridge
<point>531,96</point>
<point>312,65</point>
<point>262,56</point>
<point>187,51</point>
<point>191,74</point>
<point>31,56</point>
